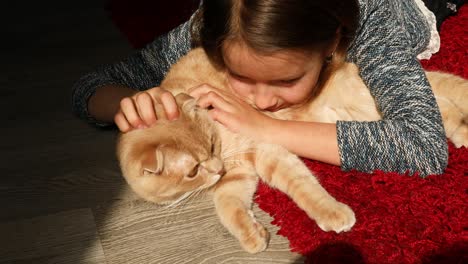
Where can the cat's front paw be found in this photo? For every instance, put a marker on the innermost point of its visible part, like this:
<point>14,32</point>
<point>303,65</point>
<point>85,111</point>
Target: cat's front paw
<point>337,217</point>
<point>255,241</point>
<point>460,136</point>
<point>255,238</point>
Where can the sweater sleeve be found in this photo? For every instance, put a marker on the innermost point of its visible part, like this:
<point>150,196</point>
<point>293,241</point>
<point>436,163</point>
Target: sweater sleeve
<point>410,137</point>
<point>142,70</point>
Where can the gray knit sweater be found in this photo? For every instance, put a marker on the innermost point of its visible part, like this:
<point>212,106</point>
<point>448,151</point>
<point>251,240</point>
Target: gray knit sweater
<point>410,137</point>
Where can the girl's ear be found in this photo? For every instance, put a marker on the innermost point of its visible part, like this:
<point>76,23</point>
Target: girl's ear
<point>334,44</point>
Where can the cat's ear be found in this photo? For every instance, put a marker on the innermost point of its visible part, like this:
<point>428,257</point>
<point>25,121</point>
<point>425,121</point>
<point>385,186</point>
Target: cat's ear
<point>152,162</point>
<point>216,145</point>
<point>186,102</point>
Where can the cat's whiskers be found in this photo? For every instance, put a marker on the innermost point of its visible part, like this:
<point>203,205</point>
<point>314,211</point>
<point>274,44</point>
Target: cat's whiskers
<point>235,161</point>
<point>195,194</point>
<point>188,196</point>
<point>234,152</point>
<point>179,200</point>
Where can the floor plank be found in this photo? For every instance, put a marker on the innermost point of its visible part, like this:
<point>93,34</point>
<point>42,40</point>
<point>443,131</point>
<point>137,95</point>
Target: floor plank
<point>51,172</point>
<point>55,238</point>
<point>141,232</point>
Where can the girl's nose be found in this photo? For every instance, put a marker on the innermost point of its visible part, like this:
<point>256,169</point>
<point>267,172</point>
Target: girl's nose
<point>264,97</point>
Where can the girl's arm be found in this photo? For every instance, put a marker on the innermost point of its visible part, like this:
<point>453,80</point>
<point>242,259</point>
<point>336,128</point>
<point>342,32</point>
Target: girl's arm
<point>411,136</point>
<point>144,69</point>
<point>311,140</point>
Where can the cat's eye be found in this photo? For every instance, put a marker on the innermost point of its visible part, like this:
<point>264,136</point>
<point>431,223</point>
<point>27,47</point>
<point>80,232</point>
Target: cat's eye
<point>212,146</point>
<point>193,172</point>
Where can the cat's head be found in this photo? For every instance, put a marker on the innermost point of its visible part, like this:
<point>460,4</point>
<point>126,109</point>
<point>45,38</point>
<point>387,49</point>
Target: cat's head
<point>170,160</point>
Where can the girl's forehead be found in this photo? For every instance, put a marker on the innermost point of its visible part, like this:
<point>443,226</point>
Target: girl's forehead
<point>286,64</point>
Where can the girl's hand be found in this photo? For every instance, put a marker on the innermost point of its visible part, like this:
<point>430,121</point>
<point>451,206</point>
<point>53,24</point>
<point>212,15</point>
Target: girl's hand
<point>232,112</point>
<point>144,108</point>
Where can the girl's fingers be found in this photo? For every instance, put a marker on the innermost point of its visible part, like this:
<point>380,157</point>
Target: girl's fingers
<point>121,122</point>
<point>169,104</point>
<point>145,108</point>
<point>229,120</point>
<point>160,112</point>
<point>200,90</point>
<point>210,96</point>
<point>127,106</point>
<point>215,100</point>
<point>165,104</point>
<point>217,116</point>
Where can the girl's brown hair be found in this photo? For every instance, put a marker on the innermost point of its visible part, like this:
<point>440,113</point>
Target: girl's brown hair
<point>268,26</point>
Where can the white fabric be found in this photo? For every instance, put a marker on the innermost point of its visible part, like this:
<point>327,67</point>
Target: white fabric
<point>434,42</point>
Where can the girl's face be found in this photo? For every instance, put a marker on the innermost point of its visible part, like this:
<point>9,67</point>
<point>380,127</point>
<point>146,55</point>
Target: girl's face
<point>272,82</point>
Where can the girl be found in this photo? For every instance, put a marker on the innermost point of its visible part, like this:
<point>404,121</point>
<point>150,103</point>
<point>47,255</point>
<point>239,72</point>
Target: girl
<point>277,54</point>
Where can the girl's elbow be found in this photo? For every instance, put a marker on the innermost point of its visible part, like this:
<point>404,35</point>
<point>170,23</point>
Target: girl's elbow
<point>436,156</point>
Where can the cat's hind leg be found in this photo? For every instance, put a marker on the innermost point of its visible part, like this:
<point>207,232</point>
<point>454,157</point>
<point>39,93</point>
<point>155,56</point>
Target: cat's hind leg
<point>455,122</point>
<point>285,171</point>
<point>233,197</point>
<point>451,93</point>
<point>460,136</point>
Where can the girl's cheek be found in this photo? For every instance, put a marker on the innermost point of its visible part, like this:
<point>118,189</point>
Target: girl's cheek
<point>240,88</point>
<point>294,95</point>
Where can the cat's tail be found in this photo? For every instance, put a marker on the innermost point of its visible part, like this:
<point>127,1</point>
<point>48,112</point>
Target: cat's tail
<point>451,93</point>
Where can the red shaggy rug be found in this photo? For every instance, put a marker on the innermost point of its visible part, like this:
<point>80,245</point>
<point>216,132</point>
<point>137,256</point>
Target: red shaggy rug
<point>400,218</point>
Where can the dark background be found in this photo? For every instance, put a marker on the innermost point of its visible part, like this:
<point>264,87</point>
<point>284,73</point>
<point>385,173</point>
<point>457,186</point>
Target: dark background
<point>54,167</point>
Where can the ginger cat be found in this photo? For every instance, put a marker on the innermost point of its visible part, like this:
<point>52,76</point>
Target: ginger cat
<point>173,160</point>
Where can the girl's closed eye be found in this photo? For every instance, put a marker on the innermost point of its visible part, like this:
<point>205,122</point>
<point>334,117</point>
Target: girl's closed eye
<point>286,83</point>
<point>283,83</point>
<point>240,77</point>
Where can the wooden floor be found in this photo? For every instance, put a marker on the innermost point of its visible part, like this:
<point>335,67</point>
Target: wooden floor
<point>62,196</point>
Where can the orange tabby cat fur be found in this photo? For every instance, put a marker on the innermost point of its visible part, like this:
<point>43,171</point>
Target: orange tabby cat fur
<point>175,159</point>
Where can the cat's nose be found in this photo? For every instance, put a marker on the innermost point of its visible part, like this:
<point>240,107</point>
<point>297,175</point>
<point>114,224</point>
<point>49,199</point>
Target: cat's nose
<point>214,166</point>
<point>222,171</point>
